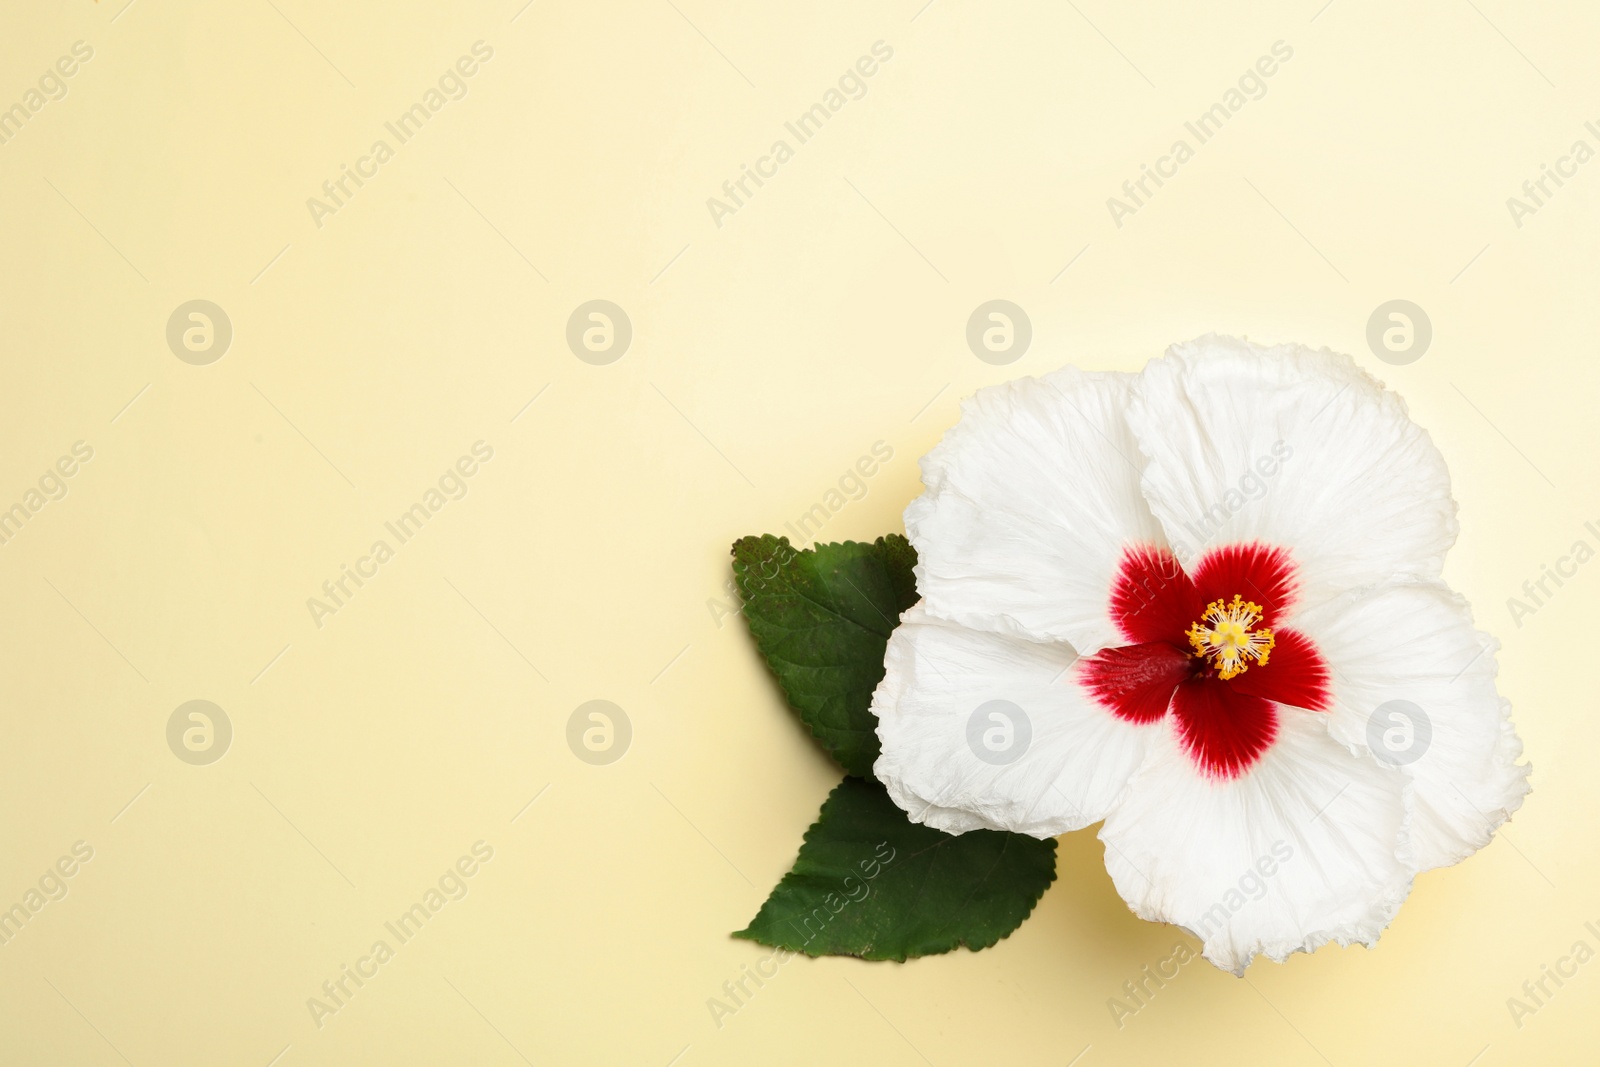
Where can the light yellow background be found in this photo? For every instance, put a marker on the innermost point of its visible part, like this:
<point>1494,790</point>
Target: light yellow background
<point>589,557</point>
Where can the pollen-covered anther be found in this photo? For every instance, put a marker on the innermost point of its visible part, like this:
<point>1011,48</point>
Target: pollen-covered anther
<point>1225,636</point>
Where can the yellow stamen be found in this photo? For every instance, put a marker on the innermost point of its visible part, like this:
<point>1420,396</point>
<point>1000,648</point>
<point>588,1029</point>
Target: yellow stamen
<point>1224,635</point>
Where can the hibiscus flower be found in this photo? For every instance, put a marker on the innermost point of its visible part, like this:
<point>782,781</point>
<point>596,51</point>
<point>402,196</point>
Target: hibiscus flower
<point>1203,604</point>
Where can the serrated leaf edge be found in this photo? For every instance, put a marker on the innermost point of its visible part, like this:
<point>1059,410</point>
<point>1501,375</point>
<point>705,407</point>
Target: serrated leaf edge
<point>747,935</point>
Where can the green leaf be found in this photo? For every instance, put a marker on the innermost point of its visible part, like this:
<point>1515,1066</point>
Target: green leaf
<point>822,618</point>
<point>870,883</point>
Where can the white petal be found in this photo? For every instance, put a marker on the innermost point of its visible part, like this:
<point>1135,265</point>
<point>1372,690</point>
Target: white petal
<point>1296,448</point>
<point>1406,653</point>
<point>1298,851</point>
<point>1046,761</point>
<point>1031,498</point>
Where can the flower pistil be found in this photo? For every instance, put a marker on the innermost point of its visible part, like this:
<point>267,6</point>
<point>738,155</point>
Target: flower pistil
<point>1225,635</point>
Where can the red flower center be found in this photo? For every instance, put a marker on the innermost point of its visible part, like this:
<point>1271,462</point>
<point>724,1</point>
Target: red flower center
<point>1205,646</point>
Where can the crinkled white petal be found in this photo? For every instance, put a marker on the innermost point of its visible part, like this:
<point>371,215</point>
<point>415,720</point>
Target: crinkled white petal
<point>1302,849</point>
<point>1296,448</point>
<point>1031,499</point>
<point>956,776</point>
<point>1414,681</point>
